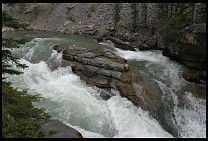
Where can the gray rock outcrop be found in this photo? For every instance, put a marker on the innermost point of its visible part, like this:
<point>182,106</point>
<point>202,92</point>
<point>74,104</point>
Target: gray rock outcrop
<point>104,69</point>
<point>194,76</point>
<point>190,48</point>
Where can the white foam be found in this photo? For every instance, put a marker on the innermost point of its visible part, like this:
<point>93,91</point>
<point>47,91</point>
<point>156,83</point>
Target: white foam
<point>126,116</point>
<point>152,56</point>
<point>70,100</point>
<point>115,91</point>
<point>108,43</point>
<point>190,121</point>
<point>191,118</point>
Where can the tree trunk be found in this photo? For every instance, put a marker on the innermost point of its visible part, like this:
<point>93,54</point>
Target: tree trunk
<point>145,15</point>
<point>194,13</point>
<point>171,10</point>
<point>166,10</point>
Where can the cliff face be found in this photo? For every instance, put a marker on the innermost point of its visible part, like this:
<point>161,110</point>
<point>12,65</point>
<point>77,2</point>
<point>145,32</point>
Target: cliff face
<point>190,48</point>
<point>97,19</point>
<point>76,18</point>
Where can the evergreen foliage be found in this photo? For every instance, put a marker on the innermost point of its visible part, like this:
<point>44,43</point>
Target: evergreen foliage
<point>172,17</point>
<point>116,16</point>
<point>19,118</point>
<point>8,43</point>
<point>144,11</point>
<point>9,21</point>
<point>91,9</point>
<point>7,59</point>
<point>134,13</point>
<point>201,13</point>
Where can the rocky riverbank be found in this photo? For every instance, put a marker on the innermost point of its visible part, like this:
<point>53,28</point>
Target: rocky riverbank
<point>56,129</point>
<point>96,19</point>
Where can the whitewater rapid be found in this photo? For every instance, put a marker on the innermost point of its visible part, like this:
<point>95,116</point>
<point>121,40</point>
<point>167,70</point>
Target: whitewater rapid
<point>189,120</point>
<point>70,100</point>
<point>67,98</point>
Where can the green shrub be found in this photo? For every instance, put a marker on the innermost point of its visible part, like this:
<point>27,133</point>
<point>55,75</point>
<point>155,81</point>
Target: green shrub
<point>91,9</point>
<point>71,18</point>
<point>116,15</point>
<point>22,6</point>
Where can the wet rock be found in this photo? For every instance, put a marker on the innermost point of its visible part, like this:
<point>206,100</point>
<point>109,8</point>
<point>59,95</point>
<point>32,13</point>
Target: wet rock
<point>128,83</point>
<point>153,43</point>
<point>202,75</point>
<point>194,76</point>
<point>104,95</point>
<point>191,76</point>
<point>89,70</point>
<point>120,44</point>
<point>190,48</point>
<point>99,81</point>
<point>61,130</point>
<point>104,69</point>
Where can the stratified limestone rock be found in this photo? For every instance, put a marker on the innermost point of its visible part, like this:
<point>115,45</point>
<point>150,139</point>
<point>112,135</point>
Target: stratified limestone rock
<point>102,68</point>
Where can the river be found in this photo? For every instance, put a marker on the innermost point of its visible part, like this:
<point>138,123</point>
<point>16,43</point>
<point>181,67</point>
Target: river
<point>67,98</point>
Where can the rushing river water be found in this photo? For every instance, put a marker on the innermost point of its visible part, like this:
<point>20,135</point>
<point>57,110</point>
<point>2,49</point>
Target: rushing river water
<point>67,98</point>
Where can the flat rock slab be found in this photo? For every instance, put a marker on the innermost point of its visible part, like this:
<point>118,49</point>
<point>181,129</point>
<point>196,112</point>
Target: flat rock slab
<point>63,131</point>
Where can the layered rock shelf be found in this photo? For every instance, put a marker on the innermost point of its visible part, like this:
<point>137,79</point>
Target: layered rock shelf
<point>103,68</point>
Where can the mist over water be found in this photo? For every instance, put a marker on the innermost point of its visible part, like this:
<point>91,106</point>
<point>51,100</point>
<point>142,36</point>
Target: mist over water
<point>70,100</point>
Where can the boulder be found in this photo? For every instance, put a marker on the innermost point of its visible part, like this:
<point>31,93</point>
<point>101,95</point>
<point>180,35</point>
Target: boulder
<point>190,48</point>
<point>153,43</point>
<point>61,130</point>
<point>202,75</point>
<point>191,76</point>
<point>103,31</point>
<point>194,76</point>
<point>120,44</point>
<point>105,95</point>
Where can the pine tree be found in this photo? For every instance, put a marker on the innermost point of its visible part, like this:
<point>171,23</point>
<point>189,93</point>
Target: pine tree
<point>8,43</point>
<point>145,7</point>
<point>20,119</point>
<point>116,16</point>
<point>201,12</point>
<point>134,13</point>
<point>194,13</point>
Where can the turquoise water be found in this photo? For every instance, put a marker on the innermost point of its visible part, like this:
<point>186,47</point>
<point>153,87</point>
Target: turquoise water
<point>70,100</point>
